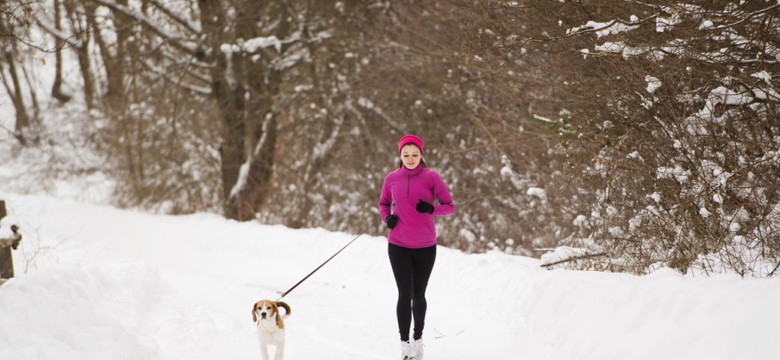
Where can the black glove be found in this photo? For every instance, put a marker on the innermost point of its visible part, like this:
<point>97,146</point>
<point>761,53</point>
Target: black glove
<point>392,220</point>
<point>424,207</point>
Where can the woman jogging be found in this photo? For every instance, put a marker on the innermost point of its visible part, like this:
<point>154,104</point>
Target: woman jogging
<point>406,205</point>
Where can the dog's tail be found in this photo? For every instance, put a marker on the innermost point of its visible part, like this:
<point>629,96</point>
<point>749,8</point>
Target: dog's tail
<point>287,310</point>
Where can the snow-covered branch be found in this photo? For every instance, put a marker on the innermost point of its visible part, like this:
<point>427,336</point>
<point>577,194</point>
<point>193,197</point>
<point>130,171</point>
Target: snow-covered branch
<point>253,45</point>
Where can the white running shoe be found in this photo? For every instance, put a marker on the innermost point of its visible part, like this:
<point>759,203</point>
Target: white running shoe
<point>417,349</point>
<point>406,351</point>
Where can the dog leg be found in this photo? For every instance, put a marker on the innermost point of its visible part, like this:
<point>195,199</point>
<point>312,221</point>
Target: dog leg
<point>279,355</point>
<point>264,351</point>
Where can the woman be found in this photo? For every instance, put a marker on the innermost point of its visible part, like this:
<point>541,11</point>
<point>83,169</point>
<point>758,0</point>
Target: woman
<point>407,207</point>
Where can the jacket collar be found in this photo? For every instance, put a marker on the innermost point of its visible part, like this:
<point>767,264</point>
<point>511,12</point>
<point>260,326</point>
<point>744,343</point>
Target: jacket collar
<point>404,170</point>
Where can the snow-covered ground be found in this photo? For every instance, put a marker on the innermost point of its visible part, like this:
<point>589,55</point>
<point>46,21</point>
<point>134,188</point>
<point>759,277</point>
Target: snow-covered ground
<point>96,282</point>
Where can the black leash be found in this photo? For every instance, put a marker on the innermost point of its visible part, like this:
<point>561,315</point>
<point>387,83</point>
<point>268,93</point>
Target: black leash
<point>323,264</point>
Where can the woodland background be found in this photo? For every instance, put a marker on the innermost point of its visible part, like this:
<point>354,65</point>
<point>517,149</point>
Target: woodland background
<point>628,135</point>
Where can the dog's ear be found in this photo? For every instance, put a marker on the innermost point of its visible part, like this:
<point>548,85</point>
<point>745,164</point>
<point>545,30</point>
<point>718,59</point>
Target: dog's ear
<point>254,313</point>
<point>284,305</point>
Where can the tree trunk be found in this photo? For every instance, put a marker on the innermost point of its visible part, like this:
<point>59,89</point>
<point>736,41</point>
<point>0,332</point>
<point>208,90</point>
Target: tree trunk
<point>14,91</point>
<point>82,51</point>
<point>247,196</point>
<point>231,104</point>
<point>240,91</point>
<point>113,62</point>
<point>228,97</point>
<point>56,88</point>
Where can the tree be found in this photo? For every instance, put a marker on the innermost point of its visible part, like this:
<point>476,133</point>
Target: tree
<point>618,126</point>
<point>235,57</point>
<point>15,20</point>
<point>675,132</point>
<point>310,99</point>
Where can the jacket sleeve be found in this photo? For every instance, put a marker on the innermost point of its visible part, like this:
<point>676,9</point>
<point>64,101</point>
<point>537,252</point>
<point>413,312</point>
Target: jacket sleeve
<point>442,194</point>
<point>385,200</point>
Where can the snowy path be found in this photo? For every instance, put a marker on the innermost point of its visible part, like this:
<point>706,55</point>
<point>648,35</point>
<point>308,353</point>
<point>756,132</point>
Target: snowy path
<point>113,284</point>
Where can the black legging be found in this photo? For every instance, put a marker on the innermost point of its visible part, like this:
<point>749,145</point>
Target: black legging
<point>412,269</point>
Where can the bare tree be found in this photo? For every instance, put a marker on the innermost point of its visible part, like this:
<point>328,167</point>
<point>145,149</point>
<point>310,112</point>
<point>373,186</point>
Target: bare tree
<point>15,20</point>
<point>234,57</point>
<point>678,125</point>
<point>618,126</point>
<point>310,98</point>
<point>13,85</point>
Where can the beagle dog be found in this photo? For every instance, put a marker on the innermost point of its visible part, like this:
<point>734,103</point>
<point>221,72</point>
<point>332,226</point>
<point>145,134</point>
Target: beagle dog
<point>270,326</point>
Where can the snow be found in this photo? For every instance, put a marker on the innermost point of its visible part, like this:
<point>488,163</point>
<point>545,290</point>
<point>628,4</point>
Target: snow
<point>663,24</point>
<point>96,282</point>
<point>706,25</point>
<point>6,236</point>
<point>562,253</point>
<point>620,47</point>
<point>722,95</point>
<point>263,42</point>
<point>603,28</point>
<point>653,83</point>
<point>243,175</point>
<point>252,45</point>
<point>655,196</point>
<point>536,192</point>
<point>763,75</point>
<point>680,174</point>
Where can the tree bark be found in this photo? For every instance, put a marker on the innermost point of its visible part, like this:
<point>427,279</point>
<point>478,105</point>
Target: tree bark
<point>82,51</point>
<point>15,92</point>
<point>241,91</point>
<point>56,88</point>
<point>113,63</point>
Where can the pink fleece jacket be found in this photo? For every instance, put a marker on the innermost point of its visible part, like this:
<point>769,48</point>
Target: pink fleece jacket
<point>401,191</point>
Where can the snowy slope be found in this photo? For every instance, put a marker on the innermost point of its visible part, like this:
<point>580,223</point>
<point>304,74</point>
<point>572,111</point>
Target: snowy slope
<point>96,282</point>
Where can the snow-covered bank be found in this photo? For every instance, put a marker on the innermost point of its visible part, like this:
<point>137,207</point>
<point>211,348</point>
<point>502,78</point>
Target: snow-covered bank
<point>101,283</point>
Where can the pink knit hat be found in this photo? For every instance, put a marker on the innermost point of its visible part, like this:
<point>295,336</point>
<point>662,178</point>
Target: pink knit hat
<point>410,139</point>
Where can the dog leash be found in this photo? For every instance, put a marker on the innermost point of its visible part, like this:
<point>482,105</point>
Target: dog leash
<point>323,264</point>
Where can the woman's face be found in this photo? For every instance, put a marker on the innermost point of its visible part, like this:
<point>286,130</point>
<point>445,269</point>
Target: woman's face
<point>410,156</point>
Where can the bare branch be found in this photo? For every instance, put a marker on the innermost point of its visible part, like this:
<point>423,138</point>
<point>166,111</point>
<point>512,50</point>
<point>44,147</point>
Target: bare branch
<point>582,31</point>
<point>748,17</point>
<point>205,91</point>
<point>195,29</point>
<point>574,258</point>
<point>189,47</point>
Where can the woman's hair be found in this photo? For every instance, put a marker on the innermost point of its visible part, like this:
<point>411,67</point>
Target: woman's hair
<point>401,163</point>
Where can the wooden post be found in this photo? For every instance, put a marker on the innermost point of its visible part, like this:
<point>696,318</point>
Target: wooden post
<point>6,262</point>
